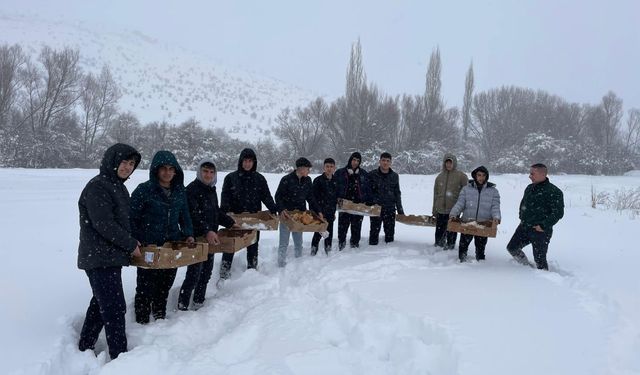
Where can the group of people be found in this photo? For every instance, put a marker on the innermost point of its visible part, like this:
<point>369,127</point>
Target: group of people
<point>114,226</point>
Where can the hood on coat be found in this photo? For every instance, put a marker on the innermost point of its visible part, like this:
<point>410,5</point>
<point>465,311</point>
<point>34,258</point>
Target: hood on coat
<point>481,168</point>
<point>215,171</point>
<point>166,158</point>
<point>114,155</point>
<point>451,157</point>
<point>355,155</point>
<point>248,153</point>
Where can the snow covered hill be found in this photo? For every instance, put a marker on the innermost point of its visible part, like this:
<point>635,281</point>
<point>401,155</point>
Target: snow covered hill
<point>404,308</point>
<point>162,81</point>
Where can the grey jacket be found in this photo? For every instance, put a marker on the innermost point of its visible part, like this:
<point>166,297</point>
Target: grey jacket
<point>478,205</point>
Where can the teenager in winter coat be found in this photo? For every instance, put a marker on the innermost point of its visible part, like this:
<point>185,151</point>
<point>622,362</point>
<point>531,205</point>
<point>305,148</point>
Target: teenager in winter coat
<point>245,190</point>
<point>205,216</point>
<point>385,191</point>
<point>294,192</point>
<point>107,244</point>
<point>352,184</point>
<point>445,194</point>
<point>478,201</point>
<point>159,213</point>
<point>325,194</point>
<point>542,206</point>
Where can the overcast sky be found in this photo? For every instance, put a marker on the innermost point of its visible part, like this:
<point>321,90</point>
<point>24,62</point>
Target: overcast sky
<point>576,49</point>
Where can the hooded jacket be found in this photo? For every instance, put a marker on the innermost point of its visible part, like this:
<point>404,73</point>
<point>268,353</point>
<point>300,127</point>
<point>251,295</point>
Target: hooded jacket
<point>203,204</point>
<point>105,231</point>
<point>478,202</point>
<point>447,187</point>
<point>542,204</point>
<point>353,184</point>
<point>246,191</point>
<point>155,217</point>
<point>385,190</point>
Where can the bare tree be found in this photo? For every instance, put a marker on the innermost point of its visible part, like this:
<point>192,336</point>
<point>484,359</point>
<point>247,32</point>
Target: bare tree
<point>11,60</point>
<point>303,128</point>
<point>612,110</point>
<point>467,102</point>
<point>632,135</point>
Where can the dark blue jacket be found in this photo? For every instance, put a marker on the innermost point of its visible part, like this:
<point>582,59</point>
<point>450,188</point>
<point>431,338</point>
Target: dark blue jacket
<point>156,218</point>
<point>204,210</point>
<point>105,232</point>
<point>244,191</point>
<point>325,192</point>
<point>385,190</point>
<point>294,192</point>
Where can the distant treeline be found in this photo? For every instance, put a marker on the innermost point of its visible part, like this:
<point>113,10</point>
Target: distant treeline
<point>55,115</point>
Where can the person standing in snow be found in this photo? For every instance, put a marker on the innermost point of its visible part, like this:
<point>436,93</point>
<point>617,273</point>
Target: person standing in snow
<point>352,184</point>
<point>541,207</point>
<point>294,192</point>
<point>325,194</point>
<point>478,201</point>
<point>245,190</point>
<point>106,245</point>
<point>159,213</point>
<point>385,191</point>
<point>445,194</point>
<point>205,216</point>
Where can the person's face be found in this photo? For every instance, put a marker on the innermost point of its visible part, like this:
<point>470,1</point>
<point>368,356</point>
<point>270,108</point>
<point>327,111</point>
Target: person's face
<point>448,165</point>
<point>385,164</point>
<point>303,171</point>
<point>355,163</point>
<point>207,174</point>
<point>481,177</point>
<point>165,174</point>
<point>125,168</point>
<point>537,175</point>
<point>329,169</point>
<point>247,164</point>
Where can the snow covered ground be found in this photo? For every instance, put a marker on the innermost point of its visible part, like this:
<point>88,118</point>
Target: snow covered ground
<point>400,309</point>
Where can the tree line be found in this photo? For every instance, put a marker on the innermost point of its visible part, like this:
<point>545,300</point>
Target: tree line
<point>53,114</point>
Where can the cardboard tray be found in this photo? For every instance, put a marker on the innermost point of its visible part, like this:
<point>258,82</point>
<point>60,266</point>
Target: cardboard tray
<point>419,220</point>
<point>171,255</point>
<point>232,241</point>
<point>262,220</point>
<point>296,226</point>
<point>482,229</point>
<point>345,205</point>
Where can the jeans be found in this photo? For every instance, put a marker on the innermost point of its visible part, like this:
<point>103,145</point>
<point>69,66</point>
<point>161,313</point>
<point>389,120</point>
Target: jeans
<point>284,244</point>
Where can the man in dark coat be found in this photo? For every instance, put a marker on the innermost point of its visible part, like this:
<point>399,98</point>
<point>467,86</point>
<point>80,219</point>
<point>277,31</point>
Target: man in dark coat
<point>385,190</point>
<point>325,194</point>
<point>245,190</point>
<point>159,213</point>
<point>352,184</point>
<point>294,192</point>
<point>106,244</point>
<point>542,206</point>
<point>205,215</point>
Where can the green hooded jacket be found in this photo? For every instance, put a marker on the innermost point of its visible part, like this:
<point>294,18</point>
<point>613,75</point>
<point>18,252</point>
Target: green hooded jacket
<point>447,186</point>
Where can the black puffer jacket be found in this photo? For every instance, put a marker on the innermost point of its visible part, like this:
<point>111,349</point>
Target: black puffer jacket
<point>294,192</point>
<point>105,231</point>
<point>203,206</point>
<point>385,190</point>
<point>325,192</point>
<point>353,184</point>
<point>244,191</point>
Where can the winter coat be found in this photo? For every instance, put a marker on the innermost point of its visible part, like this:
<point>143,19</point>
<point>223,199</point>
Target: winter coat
<point>105,231</point>
<point>244,191</point>
<point>447,187</point>
<point>294,192</point>
<point>478,202</point>
<point>203,206</point>
<point>326,195</point>
<point>385,190</point>
<point>353,186</point>
<point>155,217</point>
<point>542,204</point>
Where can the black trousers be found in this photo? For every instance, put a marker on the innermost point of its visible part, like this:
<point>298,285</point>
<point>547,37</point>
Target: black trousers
<point>106,309</point>
<point>344,221</point>
<point>152,291</point>
<point>315,241</point>
<point>465,240</point>
<point>538,240</point>
<point>443,238</point>
<point>252,259</point>
<point>388,219</point>
<point>195,282</point>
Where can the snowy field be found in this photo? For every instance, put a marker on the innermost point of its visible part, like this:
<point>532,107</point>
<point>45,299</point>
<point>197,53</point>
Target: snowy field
<point>401,309</point>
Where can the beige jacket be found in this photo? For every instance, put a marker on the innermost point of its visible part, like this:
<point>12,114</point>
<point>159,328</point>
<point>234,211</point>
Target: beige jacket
<point>447,187</point>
